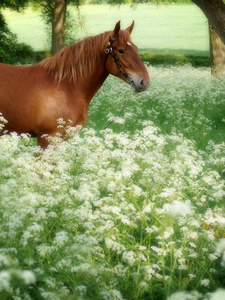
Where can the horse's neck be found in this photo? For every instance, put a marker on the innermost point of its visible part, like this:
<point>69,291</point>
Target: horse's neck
<point>80,67</point>
<point>94,80</point>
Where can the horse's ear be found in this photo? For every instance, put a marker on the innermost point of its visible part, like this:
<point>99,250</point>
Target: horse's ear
<point>116,29</point>
<point>130,28</point>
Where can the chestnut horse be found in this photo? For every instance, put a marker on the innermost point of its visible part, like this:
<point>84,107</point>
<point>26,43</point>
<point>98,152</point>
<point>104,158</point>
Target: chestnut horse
<point>32,98</point>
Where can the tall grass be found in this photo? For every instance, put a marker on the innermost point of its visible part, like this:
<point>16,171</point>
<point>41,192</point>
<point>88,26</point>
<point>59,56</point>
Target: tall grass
<point>183,100</point>
<point>134,213</point>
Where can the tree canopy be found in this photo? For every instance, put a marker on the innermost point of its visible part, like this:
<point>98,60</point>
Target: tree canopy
<point>15,4</point>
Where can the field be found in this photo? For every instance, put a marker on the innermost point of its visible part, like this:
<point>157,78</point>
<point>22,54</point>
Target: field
<point>179,29</point>
<point>136,212</point>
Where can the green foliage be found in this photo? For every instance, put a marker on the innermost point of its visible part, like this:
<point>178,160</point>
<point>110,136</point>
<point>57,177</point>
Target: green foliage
<point>17,5</point>
<point>169,1</point>
<point>10,50</point>
<point>174,59</point>
<point>118,2</point>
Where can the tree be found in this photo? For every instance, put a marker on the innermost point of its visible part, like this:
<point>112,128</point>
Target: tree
<point>55,13</point>
<point>10,50</point>
<point>215,13</point>
<point>58,25</point>
<point>17,5</point>
<point>217,53</point>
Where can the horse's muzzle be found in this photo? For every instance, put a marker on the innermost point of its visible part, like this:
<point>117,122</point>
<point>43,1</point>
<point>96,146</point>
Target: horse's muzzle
<point>140,85</point>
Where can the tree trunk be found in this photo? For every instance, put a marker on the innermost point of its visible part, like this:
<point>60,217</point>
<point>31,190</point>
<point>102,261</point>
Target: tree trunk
<point>217,53</point>
<point>215,13</point>
<point>58,25</point>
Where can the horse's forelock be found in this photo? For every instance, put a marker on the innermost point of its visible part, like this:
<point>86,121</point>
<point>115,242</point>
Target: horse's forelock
<point>124,36</point>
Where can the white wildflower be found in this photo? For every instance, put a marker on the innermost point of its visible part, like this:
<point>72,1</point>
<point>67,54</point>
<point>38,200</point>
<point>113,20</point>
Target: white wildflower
<point>144,285</point>
<point>28,277</point>
<point>157,250</point>
<point>213,256</point>
<point>120,270</point>
<point>5,281</point>
<point>193,255</point>
<point>218,295</point>
<point>61,238</point>
<point>150,272</point>
<point>4,261</point>
<point>81,289</point>
<point>44,250</point>
<point>192,295</point>
<point>129,257</point>
<point>220,250</point>
<point>205,282</point>
<point>142,248</point>
<point>147,209</point>
<point>168,232</point>
<point>178,208</point>
<point>114,246</point>
<point>125,220</point>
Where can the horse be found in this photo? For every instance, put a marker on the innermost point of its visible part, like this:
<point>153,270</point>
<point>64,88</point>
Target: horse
<point>33,98</point>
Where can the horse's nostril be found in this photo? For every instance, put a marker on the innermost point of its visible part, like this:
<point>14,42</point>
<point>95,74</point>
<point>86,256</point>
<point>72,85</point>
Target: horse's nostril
<point>142,82</point>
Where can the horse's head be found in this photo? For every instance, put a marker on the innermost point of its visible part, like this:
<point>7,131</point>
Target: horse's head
<point>122,59</point>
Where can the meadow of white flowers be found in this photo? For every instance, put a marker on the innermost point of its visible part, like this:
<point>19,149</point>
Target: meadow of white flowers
<point>136,212</point>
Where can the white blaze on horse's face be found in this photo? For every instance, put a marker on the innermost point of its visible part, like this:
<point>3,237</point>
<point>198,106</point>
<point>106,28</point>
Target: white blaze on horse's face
<point>138,77</point>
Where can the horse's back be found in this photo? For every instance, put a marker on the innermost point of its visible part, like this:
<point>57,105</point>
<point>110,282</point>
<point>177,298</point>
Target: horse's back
<point>19,96</point>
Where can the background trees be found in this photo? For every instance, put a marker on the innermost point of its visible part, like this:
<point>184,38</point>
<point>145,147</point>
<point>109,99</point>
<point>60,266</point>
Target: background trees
<point>10,50</point>
<point>57,16</point>
<point>55,13</point>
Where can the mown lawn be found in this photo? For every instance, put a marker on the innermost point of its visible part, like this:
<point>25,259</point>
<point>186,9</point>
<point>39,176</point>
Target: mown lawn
<point>179,29</point>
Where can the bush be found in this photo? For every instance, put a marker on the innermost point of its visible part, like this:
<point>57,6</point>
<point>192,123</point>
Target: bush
<point>170,59</point>
<point>10,50</point>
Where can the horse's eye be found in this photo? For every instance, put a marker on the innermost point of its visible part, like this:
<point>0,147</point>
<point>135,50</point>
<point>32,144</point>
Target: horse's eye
<point>121,51</point>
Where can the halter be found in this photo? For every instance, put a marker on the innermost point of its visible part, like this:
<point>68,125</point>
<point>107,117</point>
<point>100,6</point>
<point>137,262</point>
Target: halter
<point>109,50</point>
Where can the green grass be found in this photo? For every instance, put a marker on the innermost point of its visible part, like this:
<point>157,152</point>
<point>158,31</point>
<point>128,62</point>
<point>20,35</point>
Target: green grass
<point>136,213</point>
<point>166,29</point>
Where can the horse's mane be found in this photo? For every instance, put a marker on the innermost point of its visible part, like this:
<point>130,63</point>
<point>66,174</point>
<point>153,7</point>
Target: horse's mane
<point>80,58</point>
